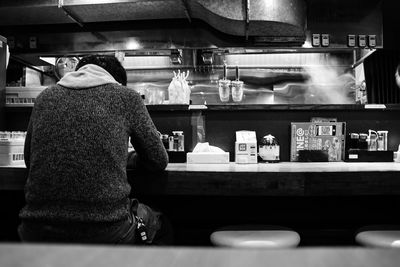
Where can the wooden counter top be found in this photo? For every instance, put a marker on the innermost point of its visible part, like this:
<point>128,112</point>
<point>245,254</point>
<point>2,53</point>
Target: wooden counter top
<point>301,167</point>
<point>78,255</point>
<point>263,179</point>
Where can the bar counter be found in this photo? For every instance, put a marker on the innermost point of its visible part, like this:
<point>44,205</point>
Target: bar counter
<point>262,179</point>
<point>78,255</point>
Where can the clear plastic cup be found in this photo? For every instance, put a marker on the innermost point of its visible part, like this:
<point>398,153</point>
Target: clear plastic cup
<point>224,90</point>
<point>237,91</point>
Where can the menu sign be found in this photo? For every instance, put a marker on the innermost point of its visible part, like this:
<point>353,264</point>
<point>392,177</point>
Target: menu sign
<point>324,136</point>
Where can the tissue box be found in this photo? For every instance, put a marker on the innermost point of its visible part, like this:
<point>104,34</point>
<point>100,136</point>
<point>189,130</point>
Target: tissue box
<point>245,152</point>
<point>207,157</point>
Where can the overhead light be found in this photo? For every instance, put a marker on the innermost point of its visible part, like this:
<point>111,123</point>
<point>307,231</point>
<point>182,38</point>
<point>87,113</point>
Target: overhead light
<point>132,44</point>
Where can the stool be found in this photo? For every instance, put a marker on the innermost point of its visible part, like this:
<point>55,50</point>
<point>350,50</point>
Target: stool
<point>383,236</point>
<point>255,236</point>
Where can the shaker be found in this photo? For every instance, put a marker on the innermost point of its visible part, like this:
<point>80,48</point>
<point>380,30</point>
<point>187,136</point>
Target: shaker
<point>372,140</point>
<point>382,140</point>
<point>165,141</point>
<point>179,141</point>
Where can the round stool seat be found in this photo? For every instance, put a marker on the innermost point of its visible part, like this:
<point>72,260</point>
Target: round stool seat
<point>383,236</point>
<point>255,236</point>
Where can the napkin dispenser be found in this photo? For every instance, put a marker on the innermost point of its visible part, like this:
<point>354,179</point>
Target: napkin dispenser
<point>246,147</point>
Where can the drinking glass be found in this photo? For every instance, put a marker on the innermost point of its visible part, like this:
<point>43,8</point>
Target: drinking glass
<point>237,91</point>
<point>224,90</point>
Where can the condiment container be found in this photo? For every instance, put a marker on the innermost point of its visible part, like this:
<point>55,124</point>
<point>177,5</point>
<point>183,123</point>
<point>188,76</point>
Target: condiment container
<point>268,149</point>
<point>382,140</point>
<point>179,141</point>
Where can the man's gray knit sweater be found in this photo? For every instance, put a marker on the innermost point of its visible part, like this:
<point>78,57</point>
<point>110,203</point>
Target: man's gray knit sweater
<point>76,153</point>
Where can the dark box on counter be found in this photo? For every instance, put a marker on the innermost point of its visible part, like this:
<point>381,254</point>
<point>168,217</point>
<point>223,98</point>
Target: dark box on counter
<point>177,156</point>
<point>313,156</point>
<point>363,155</point>
<point>326,137</point>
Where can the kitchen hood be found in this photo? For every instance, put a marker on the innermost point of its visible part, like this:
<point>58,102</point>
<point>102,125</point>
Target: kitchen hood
<point>248,22</point>
<point>74,27</point>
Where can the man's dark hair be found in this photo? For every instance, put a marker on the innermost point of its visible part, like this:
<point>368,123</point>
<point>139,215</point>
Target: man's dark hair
<point>107,62</point>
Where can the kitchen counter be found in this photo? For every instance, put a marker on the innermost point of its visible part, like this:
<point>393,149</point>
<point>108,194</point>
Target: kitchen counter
<point>263,179</point>
<point>79,255</point>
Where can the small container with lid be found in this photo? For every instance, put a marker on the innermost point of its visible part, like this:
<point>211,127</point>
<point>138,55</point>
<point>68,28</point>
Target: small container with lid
<point>178,141</point>
<point>382,140</point>
<point>268,149</point>
<point>165,141</point>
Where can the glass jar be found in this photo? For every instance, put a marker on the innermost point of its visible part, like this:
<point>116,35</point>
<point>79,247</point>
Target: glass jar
<point>224,90</point>
<point>237,91</point>
<point>179,141</point>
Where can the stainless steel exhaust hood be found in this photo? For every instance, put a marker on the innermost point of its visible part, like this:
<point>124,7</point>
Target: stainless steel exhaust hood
<point>229,16</point>
<point>275,21</point>
<point>61,27</point>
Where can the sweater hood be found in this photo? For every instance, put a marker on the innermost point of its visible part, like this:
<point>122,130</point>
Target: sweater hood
<point>90,75</point>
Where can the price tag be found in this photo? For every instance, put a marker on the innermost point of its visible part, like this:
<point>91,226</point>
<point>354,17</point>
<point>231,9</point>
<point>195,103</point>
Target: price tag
<point>375,106</point>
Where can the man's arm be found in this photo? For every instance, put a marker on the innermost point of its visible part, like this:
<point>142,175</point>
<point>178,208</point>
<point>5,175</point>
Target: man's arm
<point>149,153</point>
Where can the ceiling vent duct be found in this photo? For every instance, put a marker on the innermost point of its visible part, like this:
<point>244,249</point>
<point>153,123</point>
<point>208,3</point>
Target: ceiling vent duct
<point>263,21</point>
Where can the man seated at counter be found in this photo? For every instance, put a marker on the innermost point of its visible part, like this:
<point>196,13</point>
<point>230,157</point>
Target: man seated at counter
<point>76,151</point>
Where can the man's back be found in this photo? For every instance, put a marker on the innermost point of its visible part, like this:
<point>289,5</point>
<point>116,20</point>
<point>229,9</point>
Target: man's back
<point>78,153</point>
